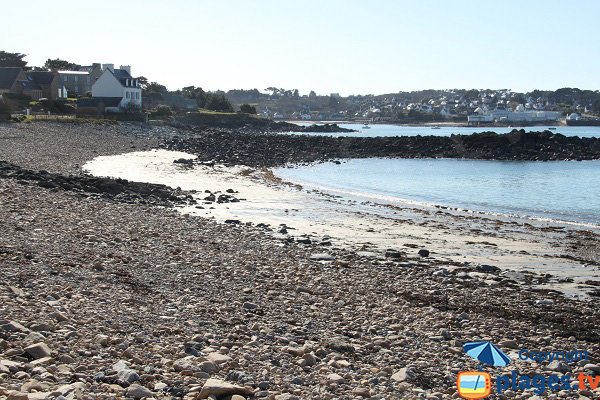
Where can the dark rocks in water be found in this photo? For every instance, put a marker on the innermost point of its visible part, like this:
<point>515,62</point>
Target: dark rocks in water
<point>325,128</point>
<point>257,149</point>
<point>114,189</point>
<point>424,253</point>
<point>211,197</point>
<point>233,221</point>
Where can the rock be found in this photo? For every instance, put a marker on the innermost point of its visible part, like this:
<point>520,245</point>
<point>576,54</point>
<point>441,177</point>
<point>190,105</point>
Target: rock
<point>509,344</point>
<point>310,359</point>
<point>38,350</point>
<point>322,257</point>
<point>42,327</point>
<point>296,351</point>
<point>362,392</point>
<point>250,306</point>
<point>14,395</point>
<point>13,326</point>
<point>138,391</point>
<point>391,253</point>
<point>128,375</point>
<point>488,269</point>
<point>60,317</point>
<point>592,367</point>
<point>102,340</point>
<point>286,396</point>
<point>339,346</point>
<point>558,366</point>
<point>544,302</point>
<point>16,291</point>
<point>184,161</point>
<point>235,397</point>
<point>208,366</point>
<point>218,358</point>
<point>404,375</point>
<point>335,378</point>
<point>219,388</point>
<point>424,253</point>
<point>303,240</point>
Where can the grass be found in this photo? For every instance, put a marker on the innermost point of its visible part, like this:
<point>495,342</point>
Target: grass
<point>205,111</point>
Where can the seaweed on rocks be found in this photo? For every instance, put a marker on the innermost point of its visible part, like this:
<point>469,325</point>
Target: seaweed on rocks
<point>116,189</point>
<point>259,149</point>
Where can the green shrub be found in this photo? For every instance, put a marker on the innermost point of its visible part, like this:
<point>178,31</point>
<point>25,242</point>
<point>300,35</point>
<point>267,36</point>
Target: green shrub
<point>162,111</point>
<point>247,109</point>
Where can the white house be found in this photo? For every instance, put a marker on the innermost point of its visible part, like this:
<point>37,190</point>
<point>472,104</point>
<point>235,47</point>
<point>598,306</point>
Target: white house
<point>116,84</point>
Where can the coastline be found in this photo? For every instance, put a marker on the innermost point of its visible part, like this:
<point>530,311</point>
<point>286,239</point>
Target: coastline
<point>190,299</point>
<point>310,214</point>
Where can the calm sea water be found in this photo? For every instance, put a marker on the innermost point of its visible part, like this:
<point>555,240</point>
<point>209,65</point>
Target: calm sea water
<point>397,130</point>
<point>561,190</point>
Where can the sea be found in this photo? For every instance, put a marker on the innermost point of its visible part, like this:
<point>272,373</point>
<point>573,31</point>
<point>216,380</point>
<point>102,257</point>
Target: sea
<point>566,191</point>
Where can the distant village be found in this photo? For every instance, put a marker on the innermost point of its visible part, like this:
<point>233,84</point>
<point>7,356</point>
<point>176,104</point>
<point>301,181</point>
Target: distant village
<point>103,89</point>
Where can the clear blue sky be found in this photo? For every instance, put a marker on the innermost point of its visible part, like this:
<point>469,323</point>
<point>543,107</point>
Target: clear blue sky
<point>345,46</point>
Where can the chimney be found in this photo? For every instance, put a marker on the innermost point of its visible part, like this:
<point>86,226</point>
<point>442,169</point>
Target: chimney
<point>126,68</point>
<point>108,66</point>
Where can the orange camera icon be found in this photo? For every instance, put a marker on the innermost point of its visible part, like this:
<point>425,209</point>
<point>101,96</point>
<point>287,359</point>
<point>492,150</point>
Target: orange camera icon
<point>473,384</point>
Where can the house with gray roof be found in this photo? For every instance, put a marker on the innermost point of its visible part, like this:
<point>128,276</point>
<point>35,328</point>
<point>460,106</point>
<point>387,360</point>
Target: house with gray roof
<point>16,81</point>
<point>50,82</point>
<point>118,83</point>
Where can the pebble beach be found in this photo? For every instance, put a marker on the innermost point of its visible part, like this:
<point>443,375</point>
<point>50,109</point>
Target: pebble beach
<point>102,297</point>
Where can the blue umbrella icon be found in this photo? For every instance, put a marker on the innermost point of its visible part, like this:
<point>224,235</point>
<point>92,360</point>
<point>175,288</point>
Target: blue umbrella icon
<point>486,353</point>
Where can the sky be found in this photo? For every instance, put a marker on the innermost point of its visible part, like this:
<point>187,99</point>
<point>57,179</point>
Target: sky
<point>329,46</point>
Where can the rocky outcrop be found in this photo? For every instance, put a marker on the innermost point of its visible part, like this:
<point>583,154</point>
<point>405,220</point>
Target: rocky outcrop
<point>116,189</point>
<point>270,149</point>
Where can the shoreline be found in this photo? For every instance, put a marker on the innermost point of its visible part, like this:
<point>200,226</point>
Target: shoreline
<point>132,297</point>
<point>314,215</point>
<point>428,124</point>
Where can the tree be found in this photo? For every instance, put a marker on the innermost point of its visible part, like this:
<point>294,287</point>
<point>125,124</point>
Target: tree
<point>218,102</point>
<point>61,65</point>
<point>12,59</point>
<point>162,111</point>
<point>196,93</point>
<point>156,88</point>
<point>247,109</point>
<point>143,81</point>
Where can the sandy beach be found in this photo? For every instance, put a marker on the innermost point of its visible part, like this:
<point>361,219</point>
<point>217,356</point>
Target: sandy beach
<point>286,294</point>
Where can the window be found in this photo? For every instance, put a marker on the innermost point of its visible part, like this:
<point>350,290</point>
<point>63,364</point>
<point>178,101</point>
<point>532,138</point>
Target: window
<point>127,94</point>
<point>137,96</point>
